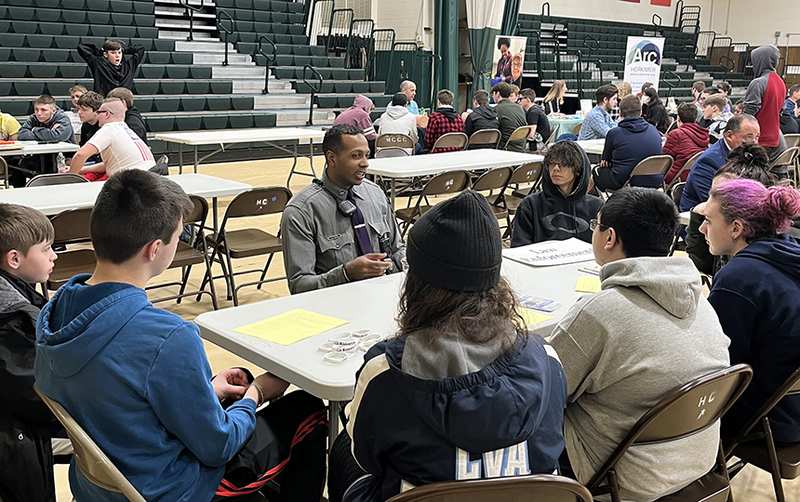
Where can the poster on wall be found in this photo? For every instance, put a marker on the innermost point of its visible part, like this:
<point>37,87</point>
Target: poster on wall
<point>643,61</point>
<point>509,57</point>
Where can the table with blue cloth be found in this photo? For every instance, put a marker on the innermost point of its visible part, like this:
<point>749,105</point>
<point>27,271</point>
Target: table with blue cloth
<point>564,123</point>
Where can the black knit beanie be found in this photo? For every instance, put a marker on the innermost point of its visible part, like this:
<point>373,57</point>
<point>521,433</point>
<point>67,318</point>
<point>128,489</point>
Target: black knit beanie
<point>456,245</point>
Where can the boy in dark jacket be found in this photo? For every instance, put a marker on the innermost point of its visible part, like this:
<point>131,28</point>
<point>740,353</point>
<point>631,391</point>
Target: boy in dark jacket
<point>562,209</point>
<point>107,65</point>
<point>444,120</point>
<point>482,117</point>
<point>632,141</point>
<point>685,141</point>
<point>132,115</point>
<point>25,451</point>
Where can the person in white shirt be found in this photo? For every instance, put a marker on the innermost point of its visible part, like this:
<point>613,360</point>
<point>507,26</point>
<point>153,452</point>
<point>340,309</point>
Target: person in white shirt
<point>119,147</point>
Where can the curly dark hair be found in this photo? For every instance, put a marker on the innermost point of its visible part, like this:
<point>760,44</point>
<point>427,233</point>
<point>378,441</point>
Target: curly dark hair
<point>566,154</point>
<point>503,41</point>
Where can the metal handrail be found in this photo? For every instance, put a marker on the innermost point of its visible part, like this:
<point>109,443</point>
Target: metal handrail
<point>314,89</point>
<point>678,13</point>
<point>220,27</point>
<point>727,69</point>
<point>189,10</point>
<point>680,81</point>
<point>546,4</point>
<point>271,57</point>
<point>330,27</point>
<point>369,46</point>
<point>653,20</point>
<point>590,37</point>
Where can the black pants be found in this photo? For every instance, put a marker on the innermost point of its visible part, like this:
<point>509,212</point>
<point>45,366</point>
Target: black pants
<point>344,470</point>
<point>603,180</point>
<point>38,164</point>
<point>302,479</point>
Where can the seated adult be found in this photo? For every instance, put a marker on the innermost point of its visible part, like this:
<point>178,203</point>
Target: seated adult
<point>340,228</point>
<point>510,116</point>
<point>137,380</point>
<point>358,115</point>
<point>632,141</point>
<point>88,105</point>
<point>755,295</point>
<point>740,128</point>
<point>409,89</point>
<point>562,209</point>
<point>133,117</point>
<point>444,120</point>
<point>656,112</point>
<point>398,120</point>
<point>684,141</point>
<point>9,127</point>
<point>748,161</point>
<point>464,391</point>
<point>48,124</point>
<point>554,98</point>
<point>482,117</point>
<point>714,118</point>
<point>598,122</point>
<point>536,118</point>
<point>119,147</point>
<point>647,332</point>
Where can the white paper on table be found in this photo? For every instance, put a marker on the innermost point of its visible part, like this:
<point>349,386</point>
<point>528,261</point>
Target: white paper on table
<point>586,106</point>
<point>549,253</point>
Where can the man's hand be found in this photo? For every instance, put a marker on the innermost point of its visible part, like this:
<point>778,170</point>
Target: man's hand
<point>604,163</point>
<point>230,383</point>
<point>796,111</point>
<point>366,266</point>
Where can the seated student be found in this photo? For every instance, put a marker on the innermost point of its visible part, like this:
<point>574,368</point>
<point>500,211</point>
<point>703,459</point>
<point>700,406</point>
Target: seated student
<point>88,105</point>
<point>133,117</point>
<point>748,161</point>
<point>48,124</point>
<point>562,209</point>
<point>647,332</point>
<point>137,380</point>
<point>697,91</point>
<point>358,115</point>
<point>9,127</point>
<point>755,295</point>
<point>714,118</point>
<point>119,147</point>
<point>632,141</point>
<point>464,391</point>
<point>107,65</point>
<point>444,120</point>
<point>536,118</point>
<point>724,89</point>
<point>397,119</point>
<point>656,112</point>
<point>701,120</point>
<point>740,129</point>
<point>482,117</point>
<point>598,122</point>
<point>684,141</point>
<point>75,93</point>
<point>25,452</point>
<point>510,116</point>
<point>554,98</point>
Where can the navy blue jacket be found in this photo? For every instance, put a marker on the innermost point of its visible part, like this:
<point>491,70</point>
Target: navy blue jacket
<point>503,420</point>
<point>632,141</point>
<point>698,184</point>
<point>756,298</point>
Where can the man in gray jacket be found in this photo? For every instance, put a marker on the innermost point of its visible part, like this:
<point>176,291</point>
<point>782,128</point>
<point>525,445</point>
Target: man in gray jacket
<point>48,124</point>
<point>648,331</point>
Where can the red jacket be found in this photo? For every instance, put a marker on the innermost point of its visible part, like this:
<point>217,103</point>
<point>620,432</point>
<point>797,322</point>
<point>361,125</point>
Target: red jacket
<point>443,121</point>
<point>681,144</point>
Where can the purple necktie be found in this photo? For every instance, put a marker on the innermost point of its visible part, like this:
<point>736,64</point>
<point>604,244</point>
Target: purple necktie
<point>357,219</point>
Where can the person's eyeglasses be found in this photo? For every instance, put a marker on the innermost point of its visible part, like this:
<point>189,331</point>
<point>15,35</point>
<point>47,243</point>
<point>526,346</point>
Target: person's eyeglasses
<point>109,112</point>
<point>516,65</point>
<point>593,224</point>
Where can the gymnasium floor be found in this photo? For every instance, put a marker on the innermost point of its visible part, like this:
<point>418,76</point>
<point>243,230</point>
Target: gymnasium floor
<point>751,485</point>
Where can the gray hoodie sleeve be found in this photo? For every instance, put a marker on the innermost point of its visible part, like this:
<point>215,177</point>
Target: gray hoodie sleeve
<point>64,131</point>
<point>754,94</point>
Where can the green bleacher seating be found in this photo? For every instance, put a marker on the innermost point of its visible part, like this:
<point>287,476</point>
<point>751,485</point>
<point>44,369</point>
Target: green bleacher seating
<point>263,16</point>
<point>264,119</point>
<point>12,39</point>
<point>195,87</point>
<point>151,32</point>
<point>243,4</point>
<point>159,122</point>
<point>218,103</point>
<point>97,5</point>
<point>55,55</point>
<point>144,20</point>
<point>101,30</point>
<point>225,4</point>
<point>73,4</point>
<point>41,41</point>
<point>124,31</point>
<point>143,7</point>
<point>240,121</point>
<point>144,104</point>
<point>120,6</point>
<point>46,4</point>
<point>171,86</point>
<point>74,71</point>
<point>49,15</point>
<point>188,122</point>
<point>221,86</point>
<point>6,87</point>
<point>43,70</point>
<point>58,87</point>
<point>151,71</point>
<point>215,121</point>
<point>166,104</point>
<point>145,86</point>
<point>25,27</point>
<point>201,71</point>
<point>157,57</point>
<point>21,13</point>
<point>193,103</point>
<point>242,102</point>
<point>29,87</point>
<point>17,107</point>
<point>80,30</point>
<point>98,17</point>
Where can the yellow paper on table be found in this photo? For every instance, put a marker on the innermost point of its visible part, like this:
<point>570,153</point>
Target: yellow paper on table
<point>588,285</point>
<point>291,326</point>
<point>532,318</point>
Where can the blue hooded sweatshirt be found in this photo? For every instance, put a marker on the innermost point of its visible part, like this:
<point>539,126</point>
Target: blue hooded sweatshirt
<point>137,379</point>
<point>632,141</point>
<point>757,299</point>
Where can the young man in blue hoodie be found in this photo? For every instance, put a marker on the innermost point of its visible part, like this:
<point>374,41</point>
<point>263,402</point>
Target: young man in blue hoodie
<point>632,141</point>
<point>137,380</point>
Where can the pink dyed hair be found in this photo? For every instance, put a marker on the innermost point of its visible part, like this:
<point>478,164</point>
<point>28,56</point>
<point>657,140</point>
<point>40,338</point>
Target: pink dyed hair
<point>764,212</point>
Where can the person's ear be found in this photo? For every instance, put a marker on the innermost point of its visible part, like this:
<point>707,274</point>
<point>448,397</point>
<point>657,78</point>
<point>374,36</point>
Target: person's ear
<point>611,240</point>
<point>737,229</point>
<point>151,249</point>
<point>330,158</point>
<point>12,259</point>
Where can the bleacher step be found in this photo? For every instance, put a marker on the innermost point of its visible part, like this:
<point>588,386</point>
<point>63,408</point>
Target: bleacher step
<point>255,86</point>
<point>183,35</point>
<point>299,117</point>
<point>214,58</point>
<point>238,72</point>
<point>268,100</point>
<point>203,46</point>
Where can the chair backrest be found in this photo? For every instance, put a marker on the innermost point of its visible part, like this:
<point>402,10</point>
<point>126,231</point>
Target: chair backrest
<point>790,387</point>
<point>577,129</point>
<point>536,487</point>
<point>451,140</point>
<point>518,134</point>
<point>485,137</point>
<point>92,462</point>
<point>677,192</point>
<point>527,173</point>
<point>258,202</point>
<point>446,183</point>
<point>687,410</point>
<point>392,151</point>
<point>787,157</point>
<point>653,165</point>
<point>792,140</point>
<point>394,139</point>
<point>686,167</point>
<point>199,211</point>
<point>493,179</point>
<point>72,225</point>
<point>56,179</point>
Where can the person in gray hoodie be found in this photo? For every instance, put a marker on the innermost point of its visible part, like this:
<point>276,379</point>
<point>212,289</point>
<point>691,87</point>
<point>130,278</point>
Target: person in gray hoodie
<point>397,119</point>
<point>648,331</point>
<point>764,100</point>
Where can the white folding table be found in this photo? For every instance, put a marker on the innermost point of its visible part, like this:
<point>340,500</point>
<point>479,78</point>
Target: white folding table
<point>53,199</point>
<point>369,304</point>
<point>592,146</point>
<point>436,163</point>
<point>228,137</point>
<point>34,148</point>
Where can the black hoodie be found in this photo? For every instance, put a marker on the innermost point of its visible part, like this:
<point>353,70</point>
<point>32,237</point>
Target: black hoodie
<point>550,215</point>
<point>483,117</point>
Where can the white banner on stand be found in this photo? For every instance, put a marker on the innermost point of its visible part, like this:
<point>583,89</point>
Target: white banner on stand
<point>643,61</point>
